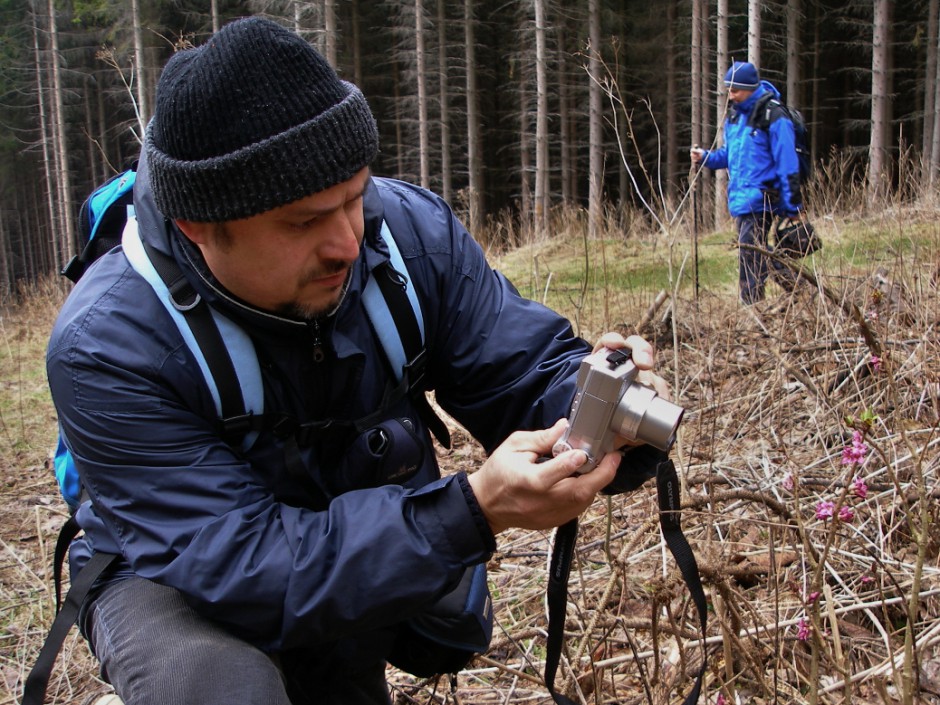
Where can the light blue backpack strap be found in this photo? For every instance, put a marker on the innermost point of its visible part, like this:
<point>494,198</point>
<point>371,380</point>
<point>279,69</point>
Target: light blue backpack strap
<point>240,348</point>
<point>398,262</point>
<point>379,314</point>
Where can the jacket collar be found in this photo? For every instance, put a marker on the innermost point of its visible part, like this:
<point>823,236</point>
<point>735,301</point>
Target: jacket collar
<point>745,107</point>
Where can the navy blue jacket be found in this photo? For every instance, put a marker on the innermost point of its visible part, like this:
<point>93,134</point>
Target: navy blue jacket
<point>763,168</point>
<point>246,544</point>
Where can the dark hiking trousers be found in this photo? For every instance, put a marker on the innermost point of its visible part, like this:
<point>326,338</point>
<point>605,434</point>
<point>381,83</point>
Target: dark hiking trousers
<point>155,650</point>
<point>753,267</point>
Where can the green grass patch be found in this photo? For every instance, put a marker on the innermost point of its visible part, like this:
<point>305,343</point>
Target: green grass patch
<point>616,279</point>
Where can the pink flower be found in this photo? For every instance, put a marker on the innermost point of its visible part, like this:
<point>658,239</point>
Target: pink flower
<point>824,509</point>
<point>802,629</point>
<point>867,579</point>
<point>856,453</point>
<point>860,488</point>
<point>812,597</point>
<point>721,699</point>
<point>876,363</point>
<point>788,481</point>
<point>846,513</point>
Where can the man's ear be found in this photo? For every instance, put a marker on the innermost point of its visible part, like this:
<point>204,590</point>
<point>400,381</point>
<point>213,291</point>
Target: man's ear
<point>198,233</point>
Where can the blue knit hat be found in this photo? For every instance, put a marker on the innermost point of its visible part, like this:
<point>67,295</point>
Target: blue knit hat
<point>743,76</point>
<point>252,120</point>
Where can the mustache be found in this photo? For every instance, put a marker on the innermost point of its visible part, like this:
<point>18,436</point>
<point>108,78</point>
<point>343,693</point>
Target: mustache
<point>326,269</point>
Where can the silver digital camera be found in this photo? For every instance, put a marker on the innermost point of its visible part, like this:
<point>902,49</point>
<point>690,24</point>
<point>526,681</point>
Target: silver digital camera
<point>608,404</point>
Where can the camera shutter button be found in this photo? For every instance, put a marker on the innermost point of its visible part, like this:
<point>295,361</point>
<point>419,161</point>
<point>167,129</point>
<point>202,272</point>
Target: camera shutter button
<point>618,357</point>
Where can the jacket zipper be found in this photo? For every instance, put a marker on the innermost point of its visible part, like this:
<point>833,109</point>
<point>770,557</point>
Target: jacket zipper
<point>318,354</point>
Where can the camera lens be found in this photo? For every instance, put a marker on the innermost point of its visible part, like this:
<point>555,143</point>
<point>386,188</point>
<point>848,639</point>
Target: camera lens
<point>644,416</point>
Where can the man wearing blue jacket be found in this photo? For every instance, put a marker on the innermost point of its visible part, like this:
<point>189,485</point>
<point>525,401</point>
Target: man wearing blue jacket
<point>763,175</point>
<point>238,580</point>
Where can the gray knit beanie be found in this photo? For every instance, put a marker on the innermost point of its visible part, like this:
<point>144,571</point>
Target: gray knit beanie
<point>251,120</point>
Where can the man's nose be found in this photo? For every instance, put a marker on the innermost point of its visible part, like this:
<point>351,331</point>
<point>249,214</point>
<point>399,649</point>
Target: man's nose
<point>343,242</point>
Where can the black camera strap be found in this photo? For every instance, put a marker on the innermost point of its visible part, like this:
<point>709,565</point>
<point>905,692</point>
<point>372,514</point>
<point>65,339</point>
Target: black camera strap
<point>667,489</point>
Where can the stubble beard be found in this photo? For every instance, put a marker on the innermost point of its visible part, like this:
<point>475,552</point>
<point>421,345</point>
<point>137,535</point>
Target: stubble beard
<point>311,312</point>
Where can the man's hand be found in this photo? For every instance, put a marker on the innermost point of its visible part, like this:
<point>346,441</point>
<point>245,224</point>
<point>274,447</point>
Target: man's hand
<point>514,489</point>
<point>697,154</point>
<point>642,354</point>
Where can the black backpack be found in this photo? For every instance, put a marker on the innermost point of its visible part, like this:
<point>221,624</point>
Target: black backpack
<point>767,110</point>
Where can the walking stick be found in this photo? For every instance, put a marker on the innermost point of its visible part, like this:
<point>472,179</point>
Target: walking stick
<point>693,184</point>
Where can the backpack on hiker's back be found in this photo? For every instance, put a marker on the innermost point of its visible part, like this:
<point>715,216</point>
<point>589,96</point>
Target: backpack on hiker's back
<point>767,110</point>
<point>101,221</point>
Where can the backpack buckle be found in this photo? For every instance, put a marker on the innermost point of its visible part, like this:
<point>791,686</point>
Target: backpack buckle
<point>235,428</point>
<point>414,371</point>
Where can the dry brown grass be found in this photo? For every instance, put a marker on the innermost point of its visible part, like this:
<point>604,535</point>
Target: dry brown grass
<point>772,392</point>
<point>775,393</point>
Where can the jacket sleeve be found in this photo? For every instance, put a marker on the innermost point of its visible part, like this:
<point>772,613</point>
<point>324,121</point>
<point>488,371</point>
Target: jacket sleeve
<point>716,158</point>
<point>186,510</point>
<point>786,165</point>
<point>499,362</point>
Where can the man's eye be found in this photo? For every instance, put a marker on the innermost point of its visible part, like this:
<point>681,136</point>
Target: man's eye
<point>303,225</point>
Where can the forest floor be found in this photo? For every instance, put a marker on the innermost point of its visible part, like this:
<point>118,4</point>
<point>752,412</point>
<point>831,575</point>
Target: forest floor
<point>810,463</point>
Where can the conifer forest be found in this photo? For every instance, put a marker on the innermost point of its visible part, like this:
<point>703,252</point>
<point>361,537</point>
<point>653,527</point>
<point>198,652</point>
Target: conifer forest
<point>510,109</point>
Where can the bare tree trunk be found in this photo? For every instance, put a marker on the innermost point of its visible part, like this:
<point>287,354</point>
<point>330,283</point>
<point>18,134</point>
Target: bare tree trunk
<point>814,137</point>
<point>5,273</point>
<point>721,108</point>
<point>27,245</point>
<point>356,44</point>
<point>399,128</point>
<point>329,27</point>
<point>298,25</point>
<point>705,91</point>
<point>794,50</point>
<point>935,131</point>
<point>568,174</point>
<point>696,60</point>
<point>526,210</point>
<point>595,126</point>
<point>214,12</point>
<point>104,152</point>
<point>474,138</point>
<point>421,78</point>
<point>90,131</point>
<point>143,100</point>
<point>753,32</point>
<point>541,122</point>
<point>65,232</point>
<point>624,185</point>
<point>672,108</point>
<point>879,98</point>
<point>49,163</point>
<point>444,99</point>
